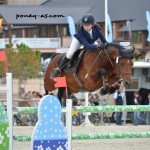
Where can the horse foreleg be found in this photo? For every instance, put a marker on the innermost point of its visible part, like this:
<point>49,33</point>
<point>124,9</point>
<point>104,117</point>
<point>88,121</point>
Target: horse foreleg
<point>102,73</point>
<point>104,90</point>
<point>112,90</point>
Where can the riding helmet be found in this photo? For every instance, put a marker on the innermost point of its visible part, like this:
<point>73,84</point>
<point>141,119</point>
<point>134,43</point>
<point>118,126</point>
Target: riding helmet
<point>88,19</point>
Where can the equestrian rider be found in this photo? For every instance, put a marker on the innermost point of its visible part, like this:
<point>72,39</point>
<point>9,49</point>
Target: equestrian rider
<point>87,35</point>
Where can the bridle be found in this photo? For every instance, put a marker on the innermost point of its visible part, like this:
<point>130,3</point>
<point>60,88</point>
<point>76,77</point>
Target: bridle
<point>119,75</point>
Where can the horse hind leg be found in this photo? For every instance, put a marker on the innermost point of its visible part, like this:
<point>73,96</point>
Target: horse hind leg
<point>61,95</point>
<point>46,91</point>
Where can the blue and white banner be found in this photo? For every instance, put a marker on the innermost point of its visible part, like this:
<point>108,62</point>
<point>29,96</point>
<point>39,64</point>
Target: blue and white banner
<point>148,25</point>
<point>71,23</point>
<point>109,25</point>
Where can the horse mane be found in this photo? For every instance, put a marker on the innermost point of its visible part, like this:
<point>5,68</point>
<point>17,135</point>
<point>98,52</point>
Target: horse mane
<point>117,45</point>
<point>123,52</point>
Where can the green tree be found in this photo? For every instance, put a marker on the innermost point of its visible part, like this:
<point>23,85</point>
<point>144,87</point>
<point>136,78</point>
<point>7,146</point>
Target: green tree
<point>24,63</point>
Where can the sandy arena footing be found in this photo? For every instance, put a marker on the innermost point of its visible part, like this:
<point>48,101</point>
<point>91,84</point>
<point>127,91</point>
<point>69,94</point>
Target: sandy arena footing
<point>104,144</point>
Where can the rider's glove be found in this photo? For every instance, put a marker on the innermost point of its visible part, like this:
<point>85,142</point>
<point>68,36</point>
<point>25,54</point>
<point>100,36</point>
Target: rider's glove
<point>102,46</point>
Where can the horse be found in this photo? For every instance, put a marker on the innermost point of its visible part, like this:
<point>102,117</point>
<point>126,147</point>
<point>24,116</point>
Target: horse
<point>103,68</point>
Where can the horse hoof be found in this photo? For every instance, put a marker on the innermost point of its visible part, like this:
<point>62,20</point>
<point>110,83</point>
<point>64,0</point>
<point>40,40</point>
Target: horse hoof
<point>111,90</point>
<point>103,91</point>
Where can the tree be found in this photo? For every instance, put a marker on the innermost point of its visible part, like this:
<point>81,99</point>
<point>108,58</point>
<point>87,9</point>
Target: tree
<point>24,62</point>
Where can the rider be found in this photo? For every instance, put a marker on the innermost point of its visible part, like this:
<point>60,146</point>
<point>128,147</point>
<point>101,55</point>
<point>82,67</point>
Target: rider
<point>87,35</point>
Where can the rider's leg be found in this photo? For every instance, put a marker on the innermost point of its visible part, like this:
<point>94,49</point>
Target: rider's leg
<point>75,45</point>
<point>57,71</point>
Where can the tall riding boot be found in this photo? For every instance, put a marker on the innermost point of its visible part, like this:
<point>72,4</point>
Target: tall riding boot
<point>57,71</point>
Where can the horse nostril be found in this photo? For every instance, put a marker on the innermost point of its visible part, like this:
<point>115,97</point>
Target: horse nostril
<point>127,83</point>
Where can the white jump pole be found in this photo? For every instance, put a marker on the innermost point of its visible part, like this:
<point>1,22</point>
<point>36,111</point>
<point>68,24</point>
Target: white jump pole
<point>69,122</point>
<point>106,12</point>
<point>8,89</point>
<point>125,103</point>
<point>87,122</point>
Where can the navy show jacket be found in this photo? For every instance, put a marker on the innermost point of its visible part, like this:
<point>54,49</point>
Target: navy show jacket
<point>84,37</point>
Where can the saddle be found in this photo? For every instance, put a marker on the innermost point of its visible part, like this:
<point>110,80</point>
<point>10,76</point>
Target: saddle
<point>73,65</point>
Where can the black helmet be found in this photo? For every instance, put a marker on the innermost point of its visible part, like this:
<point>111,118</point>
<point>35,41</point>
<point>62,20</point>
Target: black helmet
<point>88,19</point>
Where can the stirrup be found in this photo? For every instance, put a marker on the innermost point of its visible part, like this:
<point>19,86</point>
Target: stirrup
<point>55,73</point>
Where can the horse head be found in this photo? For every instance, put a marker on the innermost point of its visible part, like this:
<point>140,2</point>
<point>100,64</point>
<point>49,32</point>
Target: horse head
<point>121,62</point>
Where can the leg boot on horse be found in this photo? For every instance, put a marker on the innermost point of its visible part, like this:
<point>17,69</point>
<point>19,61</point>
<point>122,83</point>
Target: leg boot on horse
<point>57,71</point>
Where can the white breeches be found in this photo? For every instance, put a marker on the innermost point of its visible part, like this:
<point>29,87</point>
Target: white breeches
<point>75,45</point>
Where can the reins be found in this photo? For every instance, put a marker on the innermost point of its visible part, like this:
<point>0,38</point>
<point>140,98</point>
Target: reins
<point>96,60</point>
<point>93,64</point>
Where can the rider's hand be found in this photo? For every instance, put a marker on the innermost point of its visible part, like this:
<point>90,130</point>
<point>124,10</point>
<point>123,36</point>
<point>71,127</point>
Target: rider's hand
<point>102,46</point>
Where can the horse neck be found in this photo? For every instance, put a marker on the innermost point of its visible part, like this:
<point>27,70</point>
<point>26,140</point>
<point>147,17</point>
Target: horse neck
<point>107,55</point>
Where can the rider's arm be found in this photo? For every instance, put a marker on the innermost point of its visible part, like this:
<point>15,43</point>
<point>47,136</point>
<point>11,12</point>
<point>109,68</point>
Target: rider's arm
<point>102,37</point>
<point>87,45</point>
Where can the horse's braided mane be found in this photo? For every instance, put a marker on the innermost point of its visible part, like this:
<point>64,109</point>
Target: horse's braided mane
<point>117,45</point>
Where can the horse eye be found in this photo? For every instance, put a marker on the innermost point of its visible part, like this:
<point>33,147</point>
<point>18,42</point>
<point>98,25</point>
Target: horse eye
<point>122,63</point>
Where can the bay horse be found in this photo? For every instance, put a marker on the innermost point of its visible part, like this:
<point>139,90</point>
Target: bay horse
<point>102,68</point>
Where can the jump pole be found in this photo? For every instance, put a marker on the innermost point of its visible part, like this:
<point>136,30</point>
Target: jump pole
<point>68,112</point>
<point>8,89</point>
<point>87,122</point>
<point>88,136</point>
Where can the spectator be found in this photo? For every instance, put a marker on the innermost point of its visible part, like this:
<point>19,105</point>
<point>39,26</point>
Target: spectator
<point>147,102</point>
<point>118,100</point>
<point>29,97</point>
<point>35,96</point>
<point>45,65</point>
<point>22,95</point>
<point>74,99</point>
<point>38,97</point>
<point>79,102</point>
<point>137,101</point>
<point>24,103</point>
<point>95,99</point>
<point>33,104</point>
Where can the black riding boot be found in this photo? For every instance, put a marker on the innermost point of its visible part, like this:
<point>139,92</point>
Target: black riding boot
<point>57,71</point>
